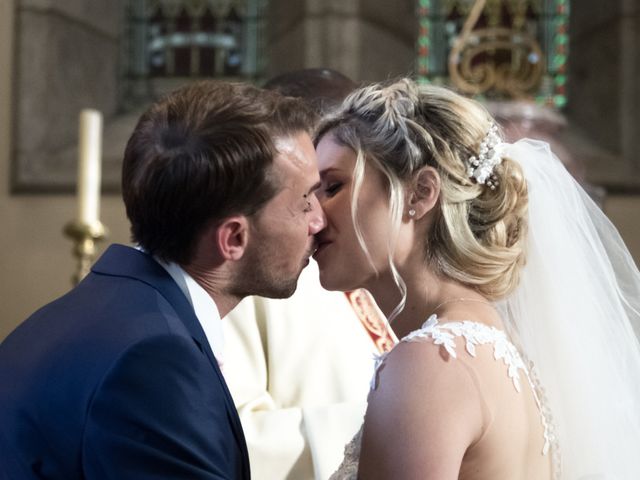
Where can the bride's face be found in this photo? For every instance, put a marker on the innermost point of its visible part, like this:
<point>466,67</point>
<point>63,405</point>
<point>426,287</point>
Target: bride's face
<point>342,262</point>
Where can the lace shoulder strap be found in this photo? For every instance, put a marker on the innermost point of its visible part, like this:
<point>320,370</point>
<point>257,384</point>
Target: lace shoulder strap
<point>475,334</point>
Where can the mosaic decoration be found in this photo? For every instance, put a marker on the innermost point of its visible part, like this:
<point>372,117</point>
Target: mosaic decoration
<point>496,49</point>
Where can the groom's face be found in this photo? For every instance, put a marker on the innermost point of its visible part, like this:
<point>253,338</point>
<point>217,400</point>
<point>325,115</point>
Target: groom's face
<point>283,232</point>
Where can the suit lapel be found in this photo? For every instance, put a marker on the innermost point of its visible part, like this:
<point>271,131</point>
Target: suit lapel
<point>120,260</point>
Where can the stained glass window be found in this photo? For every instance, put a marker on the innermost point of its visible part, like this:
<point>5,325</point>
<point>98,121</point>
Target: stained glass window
<point>173,41</point>
<point>496,48</point>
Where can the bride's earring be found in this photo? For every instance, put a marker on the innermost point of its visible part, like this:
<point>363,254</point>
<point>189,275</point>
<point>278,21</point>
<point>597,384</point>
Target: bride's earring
<point>411,212</point>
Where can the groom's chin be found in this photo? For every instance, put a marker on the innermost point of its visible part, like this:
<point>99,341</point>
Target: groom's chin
<point>278,287</point>
<point>284,290</point>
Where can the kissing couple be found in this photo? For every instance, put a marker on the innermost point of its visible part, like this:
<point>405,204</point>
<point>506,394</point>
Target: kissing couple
<point>514,297</point>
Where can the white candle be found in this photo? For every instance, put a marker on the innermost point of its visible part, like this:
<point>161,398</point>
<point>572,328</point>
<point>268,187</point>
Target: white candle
<point>89,168</point>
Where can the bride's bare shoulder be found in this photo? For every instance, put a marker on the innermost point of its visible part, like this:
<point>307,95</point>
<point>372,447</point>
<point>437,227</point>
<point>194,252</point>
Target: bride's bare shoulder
<point>423,414</point>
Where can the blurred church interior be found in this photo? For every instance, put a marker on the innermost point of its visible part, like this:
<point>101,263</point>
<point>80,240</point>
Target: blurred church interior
<point>563,71</point>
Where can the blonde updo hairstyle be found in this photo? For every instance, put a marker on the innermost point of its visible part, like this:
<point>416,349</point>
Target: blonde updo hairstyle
<point>478,235</point>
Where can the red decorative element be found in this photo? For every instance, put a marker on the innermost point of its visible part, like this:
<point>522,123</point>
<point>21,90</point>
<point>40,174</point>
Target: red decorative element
<point>372,320</point>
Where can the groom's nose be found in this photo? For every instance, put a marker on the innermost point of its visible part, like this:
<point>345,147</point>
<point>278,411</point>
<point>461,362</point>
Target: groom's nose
<point>317,219</point>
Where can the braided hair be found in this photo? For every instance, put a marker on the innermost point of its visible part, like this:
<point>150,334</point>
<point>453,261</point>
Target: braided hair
<point>478,235</point>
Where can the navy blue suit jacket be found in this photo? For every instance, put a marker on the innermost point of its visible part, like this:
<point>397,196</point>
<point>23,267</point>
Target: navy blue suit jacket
<point>116,379</point>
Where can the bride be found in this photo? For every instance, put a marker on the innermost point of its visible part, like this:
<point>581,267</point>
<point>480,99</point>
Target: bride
<point>513,296</point>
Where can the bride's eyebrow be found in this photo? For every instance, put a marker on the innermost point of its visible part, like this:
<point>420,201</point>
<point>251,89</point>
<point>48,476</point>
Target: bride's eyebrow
<point>328,170</point>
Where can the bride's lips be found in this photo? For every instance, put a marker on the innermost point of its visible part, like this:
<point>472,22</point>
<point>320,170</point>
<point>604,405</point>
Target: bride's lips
<point>323,244</point>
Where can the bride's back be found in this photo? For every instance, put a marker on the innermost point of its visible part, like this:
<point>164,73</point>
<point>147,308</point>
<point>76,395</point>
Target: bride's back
<point>513,439</point>
<point>467,409</point>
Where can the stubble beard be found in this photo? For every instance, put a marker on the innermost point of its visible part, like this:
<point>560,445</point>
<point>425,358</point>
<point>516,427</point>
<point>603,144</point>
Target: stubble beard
<point>258,275</point>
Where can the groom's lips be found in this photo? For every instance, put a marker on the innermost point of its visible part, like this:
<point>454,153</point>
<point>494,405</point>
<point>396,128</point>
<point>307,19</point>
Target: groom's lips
<point>310,253</point>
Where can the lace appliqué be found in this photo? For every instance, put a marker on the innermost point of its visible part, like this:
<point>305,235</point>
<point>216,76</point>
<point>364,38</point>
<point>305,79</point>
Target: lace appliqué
<point>474,334</point>
<point>348,469</point>
<point>552,443</point>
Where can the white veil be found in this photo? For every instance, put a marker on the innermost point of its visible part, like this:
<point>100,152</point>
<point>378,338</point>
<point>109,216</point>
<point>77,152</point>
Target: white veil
<point>574,314</point>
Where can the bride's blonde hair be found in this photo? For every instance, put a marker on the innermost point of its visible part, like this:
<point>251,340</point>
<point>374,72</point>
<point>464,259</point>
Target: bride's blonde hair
<point>478,235</point>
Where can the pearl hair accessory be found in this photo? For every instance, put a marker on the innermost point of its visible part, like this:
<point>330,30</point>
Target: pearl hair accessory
<point>490,155</point>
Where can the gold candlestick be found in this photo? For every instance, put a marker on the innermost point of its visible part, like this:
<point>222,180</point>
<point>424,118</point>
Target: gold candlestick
<point>85,236</point>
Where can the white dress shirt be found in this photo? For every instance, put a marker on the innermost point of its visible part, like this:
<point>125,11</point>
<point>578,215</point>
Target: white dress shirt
<point>205,308</point>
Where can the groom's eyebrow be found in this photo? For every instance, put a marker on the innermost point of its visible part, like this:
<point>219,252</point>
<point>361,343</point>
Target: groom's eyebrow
<point>315,187</point>
<point>312,190</point>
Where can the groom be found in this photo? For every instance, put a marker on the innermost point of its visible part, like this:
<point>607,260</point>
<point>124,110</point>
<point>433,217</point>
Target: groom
<point>119,378</point>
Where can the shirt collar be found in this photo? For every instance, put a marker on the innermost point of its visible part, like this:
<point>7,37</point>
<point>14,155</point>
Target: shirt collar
<point>203,305</point>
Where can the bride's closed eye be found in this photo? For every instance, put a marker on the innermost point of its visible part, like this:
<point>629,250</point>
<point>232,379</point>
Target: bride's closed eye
<point>332,188</point>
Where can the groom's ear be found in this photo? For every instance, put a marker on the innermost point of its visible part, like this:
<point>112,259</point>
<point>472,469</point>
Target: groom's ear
<point>232,237</point>
<point>423,192</point>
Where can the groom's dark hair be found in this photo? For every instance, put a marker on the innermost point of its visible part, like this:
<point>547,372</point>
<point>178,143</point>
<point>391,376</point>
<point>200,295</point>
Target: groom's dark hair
<point>200,154</point>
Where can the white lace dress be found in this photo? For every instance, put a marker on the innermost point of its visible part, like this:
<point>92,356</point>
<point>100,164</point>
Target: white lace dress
<point>474,334</point>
